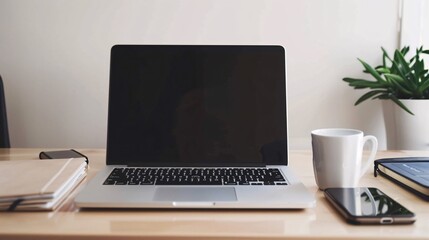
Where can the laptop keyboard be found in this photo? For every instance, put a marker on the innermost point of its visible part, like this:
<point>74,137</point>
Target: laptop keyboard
<point>195,176</point>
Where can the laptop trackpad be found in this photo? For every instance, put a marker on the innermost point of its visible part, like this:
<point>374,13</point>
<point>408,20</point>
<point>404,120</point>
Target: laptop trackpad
<point>195,194</point>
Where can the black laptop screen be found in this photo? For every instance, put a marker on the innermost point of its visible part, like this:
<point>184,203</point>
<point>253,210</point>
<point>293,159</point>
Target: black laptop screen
<point>197,105</point>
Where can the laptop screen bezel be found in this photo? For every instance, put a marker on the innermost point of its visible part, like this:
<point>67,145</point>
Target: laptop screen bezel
<point>112,161</point>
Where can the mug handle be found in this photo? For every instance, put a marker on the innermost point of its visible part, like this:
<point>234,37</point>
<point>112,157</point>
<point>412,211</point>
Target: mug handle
<point>372,155</point>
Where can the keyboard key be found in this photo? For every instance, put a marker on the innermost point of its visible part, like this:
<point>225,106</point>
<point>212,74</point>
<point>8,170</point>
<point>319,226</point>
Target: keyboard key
<point>146,182</point>
<point>256,183</point>
<point>121,183</point>
<point>229,183</point>
<point>269,183</point>
<point>109,182</point>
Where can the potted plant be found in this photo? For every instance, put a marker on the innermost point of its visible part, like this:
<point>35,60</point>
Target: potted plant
<point>403,84</point>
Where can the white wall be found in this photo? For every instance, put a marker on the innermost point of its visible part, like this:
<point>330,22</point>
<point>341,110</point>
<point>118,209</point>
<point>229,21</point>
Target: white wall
<point>415,26</point>
<point>54,57</point>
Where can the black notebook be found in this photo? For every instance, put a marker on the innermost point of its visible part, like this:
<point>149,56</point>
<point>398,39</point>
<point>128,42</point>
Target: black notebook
<point>411,173</point>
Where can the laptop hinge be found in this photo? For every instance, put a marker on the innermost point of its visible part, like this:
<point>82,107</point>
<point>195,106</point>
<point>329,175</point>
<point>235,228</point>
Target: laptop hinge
<point>157,164</point>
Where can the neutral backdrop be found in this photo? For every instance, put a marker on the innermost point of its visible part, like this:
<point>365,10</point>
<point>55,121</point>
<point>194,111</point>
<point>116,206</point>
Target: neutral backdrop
<point>54,57</point>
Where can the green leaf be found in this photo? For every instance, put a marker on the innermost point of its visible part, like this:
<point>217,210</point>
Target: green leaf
<point>410,83</point>
<point>398,69</point>
<point>401,88</point>
<point>398,79</point>
<point>368,95</point>
<point>424,86</point>
<point>385,55</point>
<point>400,104</point>
<point>418,68</point>
<point>399,57</point>
<point>382,70</point>
<point>394,76</point>
<point>425,78</point>
<point>372,71</point>
<point>362,83</point>
<point>405,50</point>
<point>417,55</point>
<point>383,96</point>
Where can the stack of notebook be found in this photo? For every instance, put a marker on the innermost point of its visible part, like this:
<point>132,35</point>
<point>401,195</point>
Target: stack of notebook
<point>38,184</point>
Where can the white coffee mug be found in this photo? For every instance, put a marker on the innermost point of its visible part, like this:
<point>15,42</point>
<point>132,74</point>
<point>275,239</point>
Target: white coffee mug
<point>337,156</point>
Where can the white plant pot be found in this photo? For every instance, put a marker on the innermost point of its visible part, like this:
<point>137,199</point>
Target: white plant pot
<point>403,130</point>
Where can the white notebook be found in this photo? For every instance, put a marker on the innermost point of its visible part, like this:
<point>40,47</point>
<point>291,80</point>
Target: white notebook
<point>38,184</point>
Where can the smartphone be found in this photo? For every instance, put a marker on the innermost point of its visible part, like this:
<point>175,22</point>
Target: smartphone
<point>368,206</point>
<point>62,154</point>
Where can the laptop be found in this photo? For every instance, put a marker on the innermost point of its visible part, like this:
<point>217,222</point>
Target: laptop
<point>196,127</point>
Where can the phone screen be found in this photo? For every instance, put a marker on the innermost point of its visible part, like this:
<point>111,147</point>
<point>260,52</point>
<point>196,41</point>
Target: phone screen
<point>367,202</point>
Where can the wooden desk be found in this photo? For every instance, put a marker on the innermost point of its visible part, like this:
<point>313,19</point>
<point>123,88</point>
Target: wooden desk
<point>321,222</point>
